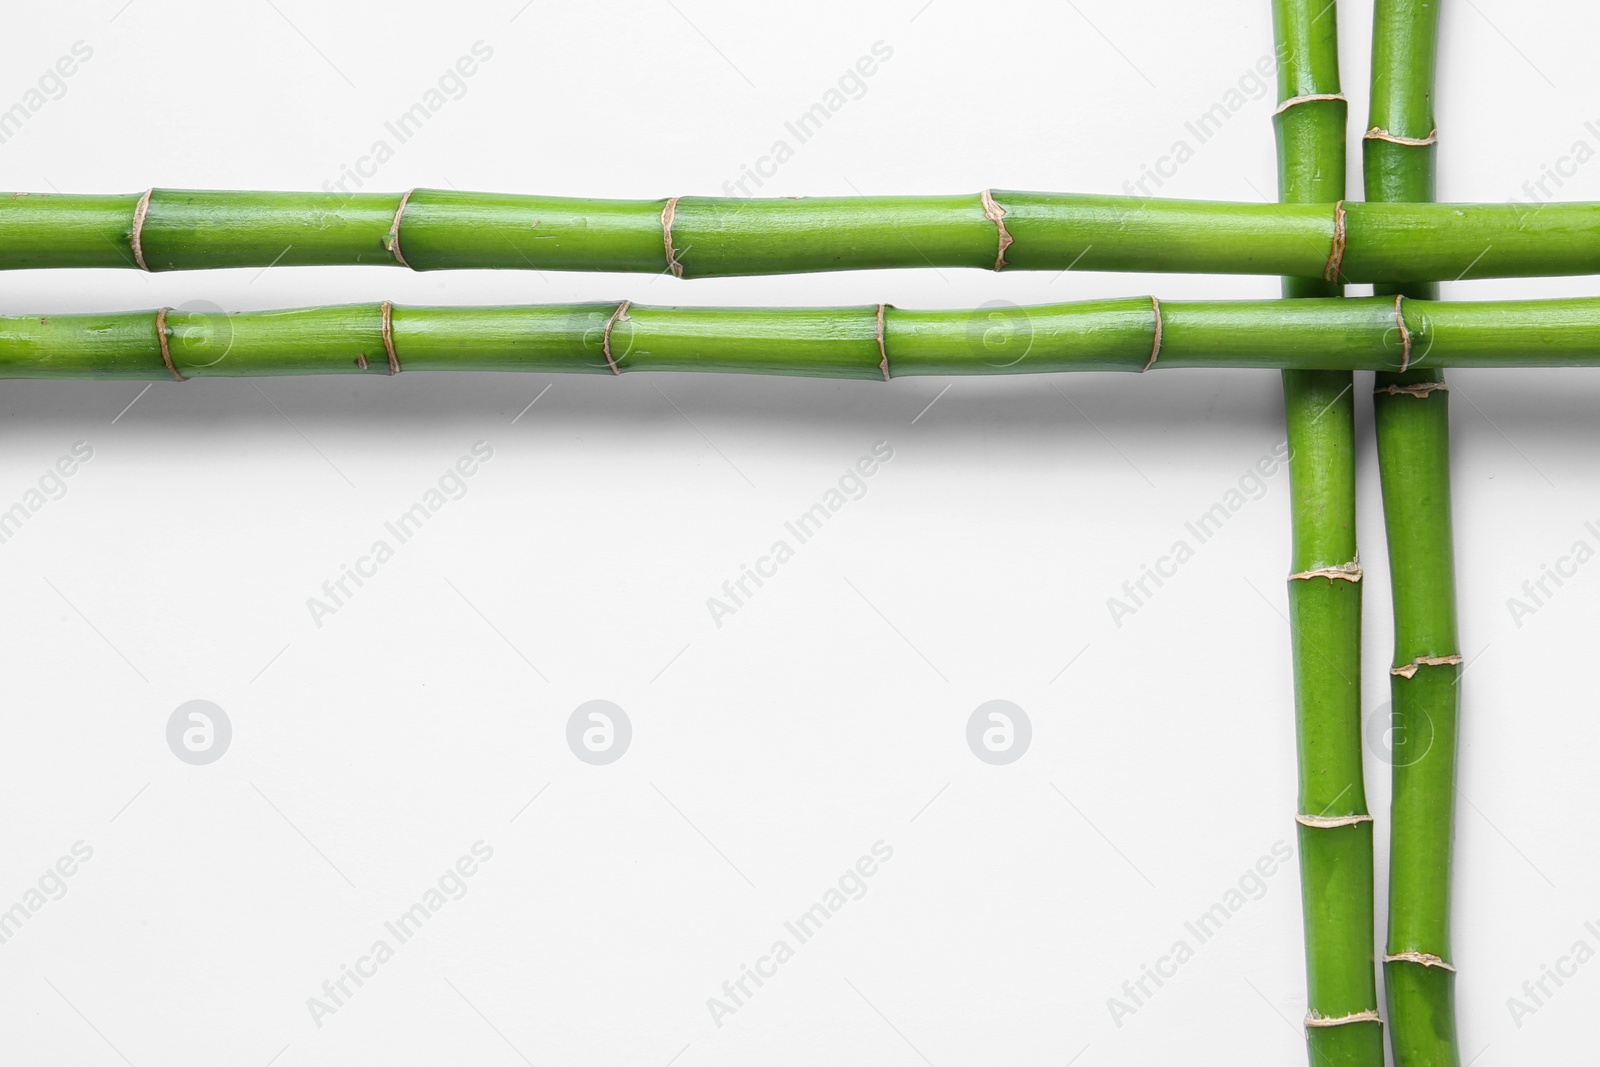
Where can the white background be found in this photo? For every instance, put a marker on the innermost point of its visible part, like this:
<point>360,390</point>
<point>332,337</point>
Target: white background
<point>829,713</point>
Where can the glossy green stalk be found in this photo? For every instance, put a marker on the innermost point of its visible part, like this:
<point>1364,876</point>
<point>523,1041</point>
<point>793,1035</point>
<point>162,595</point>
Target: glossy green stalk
<point>1412,414</point>
<point>1102,335</point>
<point>711,236</point>
<point>1335,831</point>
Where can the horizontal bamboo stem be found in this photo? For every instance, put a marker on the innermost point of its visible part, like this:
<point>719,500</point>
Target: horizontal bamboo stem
<point>875,342</point>
<point>431,229</point>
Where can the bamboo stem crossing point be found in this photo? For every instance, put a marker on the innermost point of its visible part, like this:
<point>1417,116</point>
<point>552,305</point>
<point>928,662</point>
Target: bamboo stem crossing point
<point>700,237</point>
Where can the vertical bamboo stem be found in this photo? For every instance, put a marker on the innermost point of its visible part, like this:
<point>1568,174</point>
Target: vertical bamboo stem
<point>1335,830</point>
<point>1412,413</point>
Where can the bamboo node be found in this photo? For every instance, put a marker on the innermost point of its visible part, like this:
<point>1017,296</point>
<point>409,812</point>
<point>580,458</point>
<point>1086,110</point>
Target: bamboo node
<point>1405,334</point>
<point>1331,822</point>
<point>391,240</point>
<point>1410,669</point>
<point>1336,253</point>
<point>605,338</point>
<point>996,214</point>
<point>1309,98</point>
<point>883,351</point>
<point>1378,133</point>
<point>1426,959</point>
<point>136,238</point>
<point>166,348</point>
<point>386,326</point>
<point>668,213</point>
<point>1419,390</point>
<point>1315,1021</point>
<point>1155,345</point>
<point>1349,572</point>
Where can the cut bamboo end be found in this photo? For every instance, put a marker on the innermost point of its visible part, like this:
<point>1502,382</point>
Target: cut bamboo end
<point>1330,273</point>
<point>883,350</point>
<point>1309,98</point>
<point>391,240</point>
<point>1425,959</point>
<point>1410,669</point>
<point>668,213</point>
<point>996,214</point>
<point>1317,1022</point>
<point>1331,822</point>
<point>605,337</point>
<point>386,327</point>
<point>1378,133</point>
<point>166,347</point>
<point>1348,572</point>
<point>136,236</point>
<point>1155,345</point>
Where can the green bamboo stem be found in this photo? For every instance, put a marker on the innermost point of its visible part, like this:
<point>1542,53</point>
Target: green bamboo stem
<point>1412,415</point>
<point>431,229</point>
<point>873,342</point>
<point>1343,1028</point>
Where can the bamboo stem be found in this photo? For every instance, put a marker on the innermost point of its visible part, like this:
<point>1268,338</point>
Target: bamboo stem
<point>1412,415</point>
<point>871,343</point>
<point>430,229</point>
<point>1343,1028</point>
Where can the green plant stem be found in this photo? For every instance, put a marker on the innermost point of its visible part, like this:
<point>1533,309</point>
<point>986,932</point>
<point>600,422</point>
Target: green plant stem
<point>1112,335</point>
<point>444,229</point>
<point>1412,415</point>
<point>1334,828</point>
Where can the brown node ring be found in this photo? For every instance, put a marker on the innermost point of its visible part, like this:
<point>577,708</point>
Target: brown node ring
<point>391,240</point>
<point>136,238</point>
<point>996,214</point>
<point>1318,1021</point>
<point>1378,133</point>
<point>883,351</point>
<point>1426,959</point>
<point>669,213</point>
<point>1410,669</point>
<point>605,338</point>
<point>1330,273</point>
<point>166,348</point>
<point>386,325</point>
<point>1405,334</point>
<point>1309,98</point>
<point>1155,345</point>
